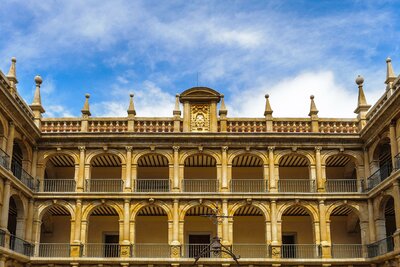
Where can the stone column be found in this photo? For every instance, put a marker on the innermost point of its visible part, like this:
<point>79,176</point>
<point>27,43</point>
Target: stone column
<point>393,142</point>
<point>224,169</point>
<point>10,140</point>
<point>6,205</point>
<point>75,247</point>
<point>175,179</point>
<point>128,180</point>
<point>326,246</point>
<point>80,183</point>
<point>396,195</point>
<point>126,245</point>
<point>29,221</point>
<point>318,166</point>
<point>372,233</point>
<point>272,180</point>
<point>225,223</point>
<point>34,163</point>
<point>380,226</point>
<point>276,248</point>
<point>3,260</point>
<point>175,244</point>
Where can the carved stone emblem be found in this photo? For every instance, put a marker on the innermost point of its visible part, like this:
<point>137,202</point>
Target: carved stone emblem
<point>200,118</point>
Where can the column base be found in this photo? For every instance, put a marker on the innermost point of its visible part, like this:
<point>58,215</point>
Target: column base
<point>76,250</point>
<point>125,250</point>
<point>325,250</point>
<point>275,251</point>
<point>175,249</point>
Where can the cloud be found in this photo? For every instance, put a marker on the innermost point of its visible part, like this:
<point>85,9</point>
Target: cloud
<point>57,111</point>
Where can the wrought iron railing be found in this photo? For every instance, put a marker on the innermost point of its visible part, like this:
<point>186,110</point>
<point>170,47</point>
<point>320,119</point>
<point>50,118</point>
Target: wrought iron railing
<point>54,250</point>
<point>248,185</point>
<point>296,185</point>
<point>151,250</point>
<point>251,250</point>
<point>59,185</point>
<point>200,185</point>
<point>300,251</point>
<point>4,159</point>
<point>397,162</point>
<point>380,247</point>
<point>193,250</point>
<point>340,251</point>
<point>342,185</point>
<point>152,185</point>
<point>379,175</point>
<point>102,250</point>
<point>104,185</point>
<point>23,176</point>
<point>21,246</point>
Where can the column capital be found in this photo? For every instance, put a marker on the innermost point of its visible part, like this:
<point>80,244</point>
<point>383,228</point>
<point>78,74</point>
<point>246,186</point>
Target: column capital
<point>224,148</point>
<point>321,202</point>
<point>7,182</point>
<point>318,149</point>
<point>79,201</point>
<point>81,148</point>
<point>176,201</point>
<point>127,200</point>
<point>11,123</point>
<point>271,148</point>
<point>128,148</point>
<point>176,148</point>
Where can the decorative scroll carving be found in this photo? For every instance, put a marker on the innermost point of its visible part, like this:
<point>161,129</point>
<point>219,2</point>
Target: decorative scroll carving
<point>200,117</point>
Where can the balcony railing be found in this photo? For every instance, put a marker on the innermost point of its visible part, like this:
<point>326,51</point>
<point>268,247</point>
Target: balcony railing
<point>296,185</point>
<point>193,250</point>
<point>251,250</point>
<point>59,185</point>
<point>4,159</point>
<point>248,185</point>
<point>23,176</point>
<point>200,185</point>
<point>152,185</point>
<point>54,250</point>
<point>341,251</point>
<point>378,176</point>
<point>2,238</point>
<point>380,247</point>
<point>342,185</point>
<point>151,250</point>
<point>21,246</point>
<point>104,185</point>
<point>102,250</point>
<point>397,162</point>
<point>301,251</point>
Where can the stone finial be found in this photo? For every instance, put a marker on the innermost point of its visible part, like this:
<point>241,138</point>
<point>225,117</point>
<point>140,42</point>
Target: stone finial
<point>86,111</point>
<point>37,100</point>
<point>313,107</point>
<point>268,109</point>
<point>390,76</point>
<point>12,74</point>
<point>222,110</point>
<point>362,104</point>
<point>177,110</point>
<point>131,109</point>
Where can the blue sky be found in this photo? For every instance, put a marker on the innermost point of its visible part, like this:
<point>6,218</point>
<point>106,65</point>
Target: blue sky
<point>243,49</point>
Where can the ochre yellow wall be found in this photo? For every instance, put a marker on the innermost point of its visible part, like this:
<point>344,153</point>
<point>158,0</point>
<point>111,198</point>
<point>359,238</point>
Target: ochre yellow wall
<point>198,225</point>
<point>301,226</point>
<point>151,229</point>
<point>247,173</point>
<point>61,230</point>
<point>60,172</point>
<point>99,225</point>
<point>340,233</point>
<point>293,173</point>
<point>249,229</point>
<point>152,173</point>
<point>200,173</point>
<point>106,173</point>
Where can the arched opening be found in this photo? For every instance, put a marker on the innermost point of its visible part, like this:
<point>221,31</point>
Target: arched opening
<point>248,174</point>
<point>294,174</point>
<point>59,174</point>
<point>249,235</point>
<point>151,233</point>
<point>298,239</point>
<point>105,174</point>
<point>55,232</point>
<point>345,233</point>
<point>103,235</point>
<point>341,174</point>
<point>382,163</point>
<point>152,174</point>
<point>16,227</point>
<point>200,174</point>
<point>4,158</point>
<point>199,229</point>
<point>20,163</point>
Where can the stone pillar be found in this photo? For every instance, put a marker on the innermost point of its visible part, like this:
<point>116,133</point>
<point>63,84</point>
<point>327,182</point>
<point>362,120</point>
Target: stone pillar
<point>367,170</point>
<point>126,245</point>
<point>34,163</point>
<point>6,205</point>
<point>10,140</point>
<point>272,181</point>
<point>380,226</point>
<point>175,180</point>
<point>224,169</point>
<point>128,180</point>
<point>175,244</point>
<point>3,260</point>
<point>80,183</point>
<point>76,245</point>
<point>225,223</point>
<point>275,246</point>
<point>393,142</point>
<point>325,245</point>
<point>318,166</point>
<point>396,195</point>
<point>372,234</point>
<point>29,221</point>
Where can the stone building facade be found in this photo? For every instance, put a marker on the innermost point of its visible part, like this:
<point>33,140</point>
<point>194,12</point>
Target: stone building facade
<point>135,191</point>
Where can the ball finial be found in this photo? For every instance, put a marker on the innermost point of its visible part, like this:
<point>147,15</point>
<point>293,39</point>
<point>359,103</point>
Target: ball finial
<point>177,95</point>
<point>222,95</point>
<point>131,94</point>
<point>359,80</point>
<point>267,96</point>
<point>87,95</point>
<point>388,59</point>
<point>38,80</point>
<point>311,97</point>
<point>13,59</point>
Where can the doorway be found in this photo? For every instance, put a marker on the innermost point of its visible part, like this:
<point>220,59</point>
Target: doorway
<point>197,243</point>
<point>111,245</point>
<point>289,246</point>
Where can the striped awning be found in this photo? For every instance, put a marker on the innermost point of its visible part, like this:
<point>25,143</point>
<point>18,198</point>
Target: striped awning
<point>62,160</point>
<point>337,161</point>
<point>248,210</point>
<point>106,160</point>
<point>293,160</point>
<point>199,210</point>
<point>104,210</point>
<point>152,210</point>
<point>200,160</point>
<point>247,160</point>
<point>153,160</point>
<point>57,210</point>
<point>295,211</point>
<point>342,211</point>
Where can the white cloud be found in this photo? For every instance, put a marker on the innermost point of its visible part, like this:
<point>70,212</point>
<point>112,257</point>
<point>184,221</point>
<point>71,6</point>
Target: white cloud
<point>57,111</point>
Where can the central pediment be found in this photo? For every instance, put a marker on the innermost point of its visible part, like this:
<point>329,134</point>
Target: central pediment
<point>200,94</point>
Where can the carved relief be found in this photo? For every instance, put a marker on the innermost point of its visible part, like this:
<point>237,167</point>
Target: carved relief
<point>200,117</point>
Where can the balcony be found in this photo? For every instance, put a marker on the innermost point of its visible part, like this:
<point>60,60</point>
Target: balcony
<point>4,159</point>
<point>347,251</point>
<point>54,250</point>
<point>151,250</point>
<point>378,176</point>
<point>193,250</point>
<point>101,250</point>
<point>152,185</point>
<point>59,185</point>
<point>248,185</point>
<point>23,176</point>
<point>300,251</point>
<point>21,246</point>
<point>104,185</point>
<point>251,250</point>
<point>200,185</point>
<point>397,162</point>
<point>380,247</point>
<point>296,186</point>
<point>342,185</point>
